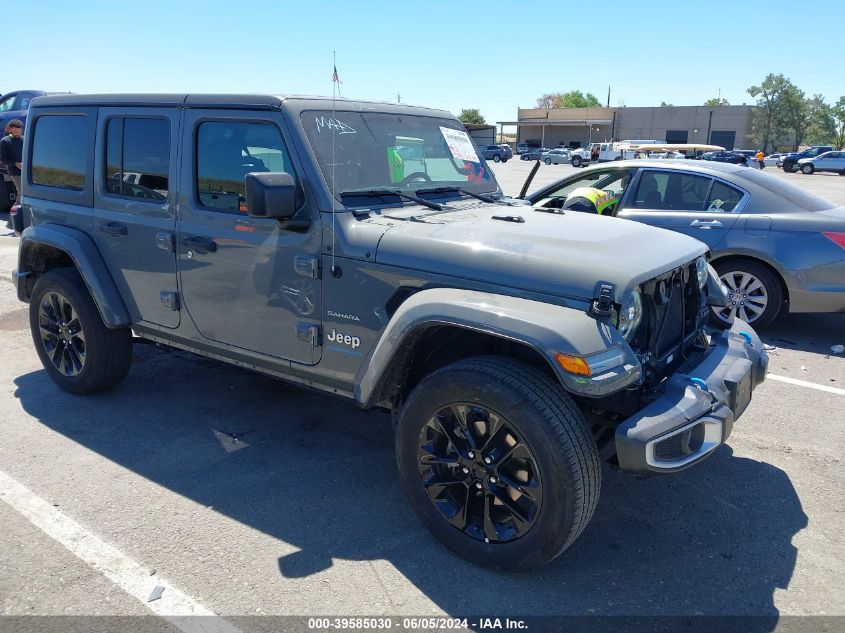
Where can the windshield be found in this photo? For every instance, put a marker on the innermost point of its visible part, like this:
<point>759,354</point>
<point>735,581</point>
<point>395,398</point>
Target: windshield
<point>374,150</point>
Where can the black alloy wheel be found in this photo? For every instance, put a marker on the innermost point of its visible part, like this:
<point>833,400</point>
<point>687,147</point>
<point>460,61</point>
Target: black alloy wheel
<point>61,334</point>
<point>479,473</point>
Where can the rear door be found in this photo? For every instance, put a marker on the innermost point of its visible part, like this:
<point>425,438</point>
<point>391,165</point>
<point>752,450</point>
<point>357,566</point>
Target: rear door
<point>134,219</point>
<point>700,206</point>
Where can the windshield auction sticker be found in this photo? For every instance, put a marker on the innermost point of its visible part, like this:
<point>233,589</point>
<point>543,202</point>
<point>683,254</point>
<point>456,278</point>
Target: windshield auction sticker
<point>459,145</point>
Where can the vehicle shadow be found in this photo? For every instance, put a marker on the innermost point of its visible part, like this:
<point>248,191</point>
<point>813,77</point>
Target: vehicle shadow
<point>814,333</point>
<point>317,473</point>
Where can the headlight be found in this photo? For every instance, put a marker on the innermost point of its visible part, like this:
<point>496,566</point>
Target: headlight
<point>701,271</point>
<point>630,315</point>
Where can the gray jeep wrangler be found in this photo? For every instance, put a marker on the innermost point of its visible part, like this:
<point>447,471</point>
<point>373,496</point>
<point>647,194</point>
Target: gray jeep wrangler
<point>365,249</point>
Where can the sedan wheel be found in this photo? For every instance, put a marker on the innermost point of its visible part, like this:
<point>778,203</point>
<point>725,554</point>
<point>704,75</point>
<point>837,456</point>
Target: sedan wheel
<point>754,294</point>
<point>548,161</point>
<point>807,169</point>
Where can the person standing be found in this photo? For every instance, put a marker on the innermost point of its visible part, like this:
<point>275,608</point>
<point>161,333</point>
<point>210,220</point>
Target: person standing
<point>11,154</point>
<point>760,156</point>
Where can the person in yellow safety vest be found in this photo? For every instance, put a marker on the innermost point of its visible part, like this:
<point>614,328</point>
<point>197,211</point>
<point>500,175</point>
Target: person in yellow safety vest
<point>591,200</point>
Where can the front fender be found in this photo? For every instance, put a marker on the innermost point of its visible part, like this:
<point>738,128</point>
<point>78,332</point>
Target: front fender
<point>549,329</point>
<point>88,261</point>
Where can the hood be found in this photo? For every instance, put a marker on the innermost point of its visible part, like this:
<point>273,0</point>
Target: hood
<point>561,254</point>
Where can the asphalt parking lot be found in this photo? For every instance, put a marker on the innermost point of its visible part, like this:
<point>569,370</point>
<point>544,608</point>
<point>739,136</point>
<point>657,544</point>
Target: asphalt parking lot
<point>247,496</point>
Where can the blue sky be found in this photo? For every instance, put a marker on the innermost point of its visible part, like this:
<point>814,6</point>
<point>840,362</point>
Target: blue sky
<point>442,54</point>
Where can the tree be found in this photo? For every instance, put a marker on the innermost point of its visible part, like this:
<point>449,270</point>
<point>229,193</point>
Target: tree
<point>838,114</point>
<point>471,116</point>
<point>663,104</point>
<point>767,122</point>
<point>821,126</point>
<point>715,101</point>
<point>570,99</point>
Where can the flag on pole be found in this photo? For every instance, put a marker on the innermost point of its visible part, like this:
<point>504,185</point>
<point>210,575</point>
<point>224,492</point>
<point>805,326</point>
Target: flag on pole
<point>335,78</point>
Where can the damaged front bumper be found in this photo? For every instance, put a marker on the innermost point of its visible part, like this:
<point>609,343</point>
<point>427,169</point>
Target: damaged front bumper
<point>696,411</point>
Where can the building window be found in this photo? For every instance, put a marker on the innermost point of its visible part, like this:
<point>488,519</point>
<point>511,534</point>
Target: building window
<point>60,151</point>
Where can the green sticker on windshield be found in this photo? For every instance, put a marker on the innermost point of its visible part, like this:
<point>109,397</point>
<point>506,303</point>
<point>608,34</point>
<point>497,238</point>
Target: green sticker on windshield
<point>396,165</point>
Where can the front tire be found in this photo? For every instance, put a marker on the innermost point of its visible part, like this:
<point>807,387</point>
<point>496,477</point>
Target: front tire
<point>807,169</point>
<point>78,351</point>
<point>755,294</point>
<point>548,161</point>
<point>498,462</point>
<point>496,158</point>
<point>576,161</point>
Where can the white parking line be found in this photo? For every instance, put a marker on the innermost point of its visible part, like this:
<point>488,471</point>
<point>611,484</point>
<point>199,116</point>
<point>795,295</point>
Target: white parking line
<point>134,579</point>
<point>804,383</point>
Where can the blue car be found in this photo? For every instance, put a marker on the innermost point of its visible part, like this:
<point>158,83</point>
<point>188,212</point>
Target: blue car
<point>496,153</point>
<point>776,247</point>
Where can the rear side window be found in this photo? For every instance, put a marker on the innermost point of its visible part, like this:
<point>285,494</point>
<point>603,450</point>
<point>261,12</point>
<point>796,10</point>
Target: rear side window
<point>60,152</point>
<point>722,198</point>
<point>226,151</point>
<point>138,158</point>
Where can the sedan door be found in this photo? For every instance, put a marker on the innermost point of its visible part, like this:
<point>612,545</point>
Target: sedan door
<point>699,206</point>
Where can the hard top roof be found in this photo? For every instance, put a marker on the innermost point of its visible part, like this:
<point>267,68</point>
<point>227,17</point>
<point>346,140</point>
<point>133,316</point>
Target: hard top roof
<point>237,101</point>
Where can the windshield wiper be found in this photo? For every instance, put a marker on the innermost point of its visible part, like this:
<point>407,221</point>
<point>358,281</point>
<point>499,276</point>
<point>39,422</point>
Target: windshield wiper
<point>393,192</point>
<point>466,192</point>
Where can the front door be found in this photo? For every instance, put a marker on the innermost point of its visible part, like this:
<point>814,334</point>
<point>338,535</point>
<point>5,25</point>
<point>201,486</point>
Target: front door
<point>134,219</point>
<point>246,282</point>
<point>700,206</point>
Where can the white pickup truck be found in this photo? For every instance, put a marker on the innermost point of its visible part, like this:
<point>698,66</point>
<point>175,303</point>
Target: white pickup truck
<point>607,151</point>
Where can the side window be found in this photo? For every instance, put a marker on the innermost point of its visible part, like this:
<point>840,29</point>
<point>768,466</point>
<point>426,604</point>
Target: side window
<point>23,104</point>
<point>6,104</point>
<point>723,198</point>
<point>226,151</point>
<point>672,191</point>
<point>138,158</point>
<point>60,151</point>
<point>613,181</point>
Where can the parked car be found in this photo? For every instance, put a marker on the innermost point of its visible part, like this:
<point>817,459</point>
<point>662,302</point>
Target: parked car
<point>508,149</point>
<point>488,330</point>
<point>521,148</point>
<point>726,156</point>
<point>773,160</point>
<point>535,153</point>
<point>829,161</point>
<point>557,156</point>
<point>13,105</point>
<point>496,153</point>
<point>789,163</point>
<point>798,268</point>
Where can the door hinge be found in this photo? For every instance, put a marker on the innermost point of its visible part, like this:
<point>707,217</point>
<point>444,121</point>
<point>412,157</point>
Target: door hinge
<point>170,299</point>
<point>309,333</point>
<point>307,266</point>
<point>166,242</point>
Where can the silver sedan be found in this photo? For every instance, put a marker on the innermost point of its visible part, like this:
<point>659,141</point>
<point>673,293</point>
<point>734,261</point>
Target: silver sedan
<point>556,157</point>
<point>776,246</point>
<point>829,161</point>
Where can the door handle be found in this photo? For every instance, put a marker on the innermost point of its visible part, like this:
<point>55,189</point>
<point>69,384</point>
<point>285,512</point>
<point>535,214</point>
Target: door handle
<point>200,244</point>
<point>114,228</point>
<point>706,224</point>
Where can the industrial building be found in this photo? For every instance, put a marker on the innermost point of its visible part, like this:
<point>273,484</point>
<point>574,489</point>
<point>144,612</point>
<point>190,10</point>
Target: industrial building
<point>727,126</point>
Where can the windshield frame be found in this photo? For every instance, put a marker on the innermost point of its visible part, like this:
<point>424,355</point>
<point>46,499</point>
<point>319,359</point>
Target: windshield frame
<point>306,117</point>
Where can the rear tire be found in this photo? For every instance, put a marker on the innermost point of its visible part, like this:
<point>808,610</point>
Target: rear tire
<point>540,443</point>
<point>807,169</point>
<point>740,277</point>
<point>78,351</point>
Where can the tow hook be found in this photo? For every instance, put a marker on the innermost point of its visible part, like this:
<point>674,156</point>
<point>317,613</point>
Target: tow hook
<point>699,383</point>
<point>748,340</point>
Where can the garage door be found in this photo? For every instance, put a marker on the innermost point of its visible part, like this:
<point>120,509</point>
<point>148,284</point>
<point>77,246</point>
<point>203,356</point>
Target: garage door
<point>724,138</point>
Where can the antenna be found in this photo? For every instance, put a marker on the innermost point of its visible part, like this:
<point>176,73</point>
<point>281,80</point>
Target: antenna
<point>335,80</point>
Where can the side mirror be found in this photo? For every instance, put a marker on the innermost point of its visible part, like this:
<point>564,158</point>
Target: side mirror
<point>270,195</point>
